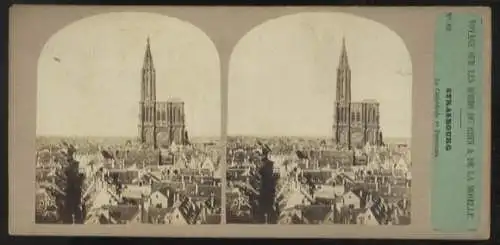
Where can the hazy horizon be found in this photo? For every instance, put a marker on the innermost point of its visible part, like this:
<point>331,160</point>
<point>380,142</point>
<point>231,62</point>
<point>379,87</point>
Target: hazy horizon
<point>108,136</point>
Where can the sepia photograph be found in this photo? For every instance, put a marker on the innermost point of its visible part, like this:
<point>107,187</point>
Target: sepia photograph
<point>315,122</point>
<point>128,123</point>
<point>319,123</point>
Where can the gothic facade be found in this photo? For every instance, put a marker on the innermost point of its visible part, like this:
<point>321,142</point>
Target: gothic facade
<point>355,123</point>
<point>161,123</point>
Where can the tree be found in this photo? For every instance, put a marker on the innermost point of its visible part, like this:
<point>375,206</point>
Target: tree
<point>267,192</point>
<point>73,189</point>
<point>67,190</point>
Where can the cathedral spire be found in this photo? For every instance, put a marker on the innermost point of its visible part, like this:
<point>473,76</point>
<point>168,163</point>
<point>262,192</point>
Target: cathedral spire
<point>148,57</point>
<point>343,61</point>
<point>148,75</point>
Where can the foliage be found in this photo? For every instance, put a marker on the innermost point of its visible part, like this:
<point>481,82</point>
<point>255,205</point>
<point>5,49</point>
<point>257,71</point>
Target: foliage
<point>67,191</point>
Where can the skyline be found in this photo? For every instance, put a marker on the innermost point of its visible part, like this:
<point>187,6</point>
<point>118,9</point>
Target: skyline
<point>92,68</point>
<point>282,75</point>
<point>311,56</point>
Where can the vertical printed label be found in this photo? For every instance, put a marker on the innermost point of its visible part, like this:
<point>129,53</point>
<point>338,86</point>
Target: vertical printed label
<point>458,136</point>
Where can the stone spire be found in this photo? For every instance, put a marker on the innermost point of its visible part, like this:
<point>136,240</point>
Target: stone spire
<point>148,57</point>
<point>343,60</point>
<point>343,76</point>
<point>148,76</point>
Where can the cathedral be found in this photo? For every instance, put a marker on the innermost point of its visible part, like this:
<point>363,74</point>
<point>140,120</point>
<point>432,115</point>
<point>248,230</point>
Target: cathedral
<point>161,123</point>
<point>355,123</point>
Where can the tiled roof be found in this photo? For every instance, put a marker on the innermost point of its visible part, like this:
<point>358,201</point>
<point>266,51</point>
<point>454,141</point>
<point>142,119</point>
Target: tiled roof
<point>125,176</point>
<point>315,213</point>
<point>173,186</point>
<point>190,211</point>
<point>123,212</point>
<point>401,191</point>
<point>157,213</point>
<point>212,219</point>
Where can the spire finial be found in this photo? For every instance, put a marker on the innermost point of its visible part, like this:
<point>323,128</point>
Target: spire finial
<point>343,54</point>
<point>344,50</point>
<point>148,59</point>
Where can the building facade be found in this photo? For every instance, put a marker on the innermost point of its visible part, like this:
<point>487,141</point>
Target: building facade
<point>355,123</point>
<point>161,123</point>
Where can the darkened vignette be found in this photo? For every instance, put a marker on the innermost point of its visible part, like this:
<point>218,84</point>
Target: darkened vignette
<point>210,22</point>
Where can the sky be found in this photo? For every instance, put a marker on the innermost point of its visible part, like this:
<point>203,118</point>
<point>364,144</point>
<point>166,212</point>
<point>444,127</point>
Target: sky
<point>89,75</point>
<point>282,75</point>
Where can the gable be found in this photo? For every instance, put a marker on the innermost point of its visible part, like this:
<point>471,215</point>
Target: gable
<point>177,217</point>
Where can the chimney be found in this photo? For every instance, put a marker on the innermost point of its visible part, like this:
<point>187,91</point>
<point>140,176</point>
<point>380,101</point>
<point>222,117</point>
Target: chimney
<point>203,213</point>
<point>389,188</point>
<point>376,186</point>
<point>168,198</point>
<point>183,182</point>
<point>212,200</point>
<point>196,189</point>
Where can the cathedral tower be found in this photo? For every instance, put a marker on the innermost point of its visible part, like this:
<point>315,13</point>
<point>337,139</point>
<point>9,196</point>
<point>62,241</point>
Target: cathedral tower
<point>147,127</point>
<point>355,123</point>
<point>342,119</point>
<point>160,123</point>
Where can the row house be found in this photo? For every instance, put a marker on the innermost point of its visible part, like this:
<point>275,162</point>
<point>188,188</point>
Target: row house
<point>119,214</point>
<point>188,211</point>
<point>200,179</point>
<point>124,176</point>
<point>310,214</point>
<point>317,177</point>
<point>167,194</point>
